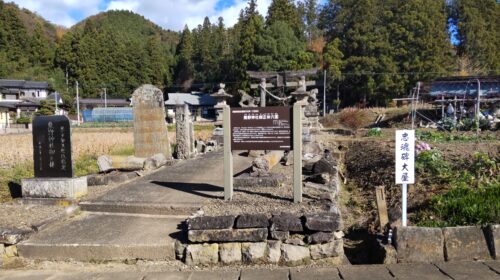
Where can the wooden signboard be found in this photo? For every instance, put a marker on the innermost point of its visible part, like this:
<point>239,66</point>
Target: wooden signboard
<point>261,128</point>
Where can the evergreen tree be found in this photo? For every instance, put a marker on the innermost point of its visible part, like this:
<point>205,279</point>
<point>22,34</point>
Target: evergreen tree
<point>285,11</point>
<point>421,41</point>
<point>478,23</point>
<point>278,49</point>
<point>40,50</point>
<point>250,25</point>
<point>185,68</point>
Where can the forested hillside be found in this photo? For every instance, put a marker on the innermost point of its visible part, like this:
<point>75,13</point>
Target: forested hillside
<point>27,43</point>
<point>119,51</point>
<point>373,50</point>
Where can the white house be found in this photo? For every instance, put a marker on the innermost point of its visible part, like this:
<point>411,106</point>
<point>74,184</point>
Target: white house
<point>17,90</point>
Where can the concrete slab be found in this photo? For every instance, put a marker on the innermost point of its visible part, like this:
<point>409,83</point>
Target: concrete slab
<point>174,275</point>
<point>495,265</point>
<point>73,276</point>
<point>26,275</point>
<point>417,271</point>
<point>129,275</point>
<point>215,275</point>
<point>174,189</point>
<point>98,236</point>
<point>264,274</point>
<point>468,270</point>
<point>315,274</point>
<point>362,272</point>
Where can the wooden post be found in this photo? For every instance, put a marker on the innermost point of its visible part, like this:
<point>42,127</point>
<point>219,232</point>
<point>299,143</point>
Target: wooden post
<point>478,105</point>
<point>263,92</point>
<point>381,207</point>
<point>442,106</point>
<point>228,156</point>
<point>297,153</point>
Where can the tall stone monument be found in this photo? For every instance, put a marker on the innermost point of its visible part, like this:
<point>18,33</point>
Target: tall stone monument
<point>184,134</point>
<point>150,127</point>
<point>52,161</point>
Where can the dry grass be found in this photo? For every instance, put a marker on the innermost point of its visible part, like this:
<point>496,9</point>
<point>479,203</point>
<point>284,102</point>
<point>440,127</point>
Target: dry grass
<point>16,149</point>
<point>19,148</point>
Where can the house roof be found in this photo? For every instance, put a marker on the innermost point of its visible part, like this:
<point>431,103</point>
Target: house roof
<point>466,86</point>
<point>22,84</point>
<point>9,105</point>
<point>195,99</point>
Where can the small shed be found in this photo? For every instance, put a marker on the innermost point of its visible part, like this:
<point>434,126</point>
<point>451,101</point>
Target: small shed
<point>468,93</point>
<point>200,104</point>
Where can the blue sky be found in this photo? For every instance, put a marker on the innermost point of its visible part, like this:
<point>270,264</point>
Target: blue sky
<point>170,14</point>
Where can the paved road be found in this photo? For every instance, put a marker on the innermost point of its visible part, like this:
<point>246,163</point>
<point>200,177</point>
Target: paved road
<point>173,190</point>
<point>446,271</point>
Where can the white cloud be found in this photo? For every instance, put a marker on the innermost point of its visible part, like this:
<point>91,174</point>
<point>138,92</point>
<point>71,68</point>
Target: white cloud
<point>170,14</point>
<point>61,11</point>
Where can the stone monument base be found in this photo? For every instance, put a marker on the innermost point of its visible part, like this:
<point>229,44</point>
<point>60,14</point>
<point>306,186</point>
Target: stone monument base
<point>54,187</point>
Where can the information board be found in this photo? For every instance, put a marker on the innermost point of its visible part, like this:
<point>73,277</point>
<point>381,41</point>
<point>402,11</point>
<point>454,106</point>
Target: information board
<point>405,156</point>
<point>261,128</point>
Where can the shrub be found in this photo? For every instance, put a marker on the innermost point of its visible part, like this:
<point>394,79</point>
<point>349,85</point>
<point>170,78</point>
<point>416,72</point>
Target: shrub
<point>474,197</point>
<point>375,132</point>
<point>23,120</point>
<point>467,206</point>
<point>431,165</point>
<point>353,118</point>
<point>329,120</point>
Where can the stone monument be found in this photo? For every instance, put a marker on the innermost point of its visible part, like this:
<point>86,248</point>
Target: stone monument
<point>150,127</point>
<point>52,161</point>
<point>220,96</point>
<point>184,133</point>
<point>247,100</point>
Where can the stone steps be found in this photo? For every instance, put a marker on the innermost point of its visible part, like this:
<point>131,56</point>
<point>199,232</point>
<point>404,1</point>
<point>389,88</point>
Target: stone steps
<point>105,236</point>
<point>139,208</point>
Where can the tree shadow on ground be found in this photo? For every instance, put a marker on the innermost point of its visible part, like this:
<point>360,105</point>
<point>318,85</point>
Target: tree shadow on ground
<point>198,189</point>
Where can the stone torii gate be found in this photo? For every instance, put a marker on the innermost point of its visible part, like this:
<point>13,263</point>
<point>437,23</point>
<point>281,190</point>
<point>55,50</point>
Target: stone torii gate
<point>281,81</point>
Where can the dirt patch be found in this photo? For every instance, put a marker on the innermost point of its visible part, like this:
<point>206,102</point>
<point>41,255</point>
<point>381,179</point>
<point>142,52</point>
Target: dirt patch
<point>269,200</point>
<point>23,217</point>
<point>370,163</point>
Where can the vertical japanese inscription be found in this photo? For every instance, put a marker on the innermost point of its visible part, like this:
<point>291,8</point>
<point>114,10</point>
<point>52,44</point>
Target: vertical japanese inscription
<point>52,147</point>
<point>405,157</point>
<point>265,128</point>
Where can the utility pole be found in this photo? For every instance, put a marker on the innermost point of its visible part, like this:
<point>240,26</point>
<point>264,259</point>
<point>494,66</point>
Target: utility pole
<point>77,104</point>
<point>478,104</point>
<point>105,98</point>
<point>67,84</point>
<point>324,93</point>
<point>56,102</point>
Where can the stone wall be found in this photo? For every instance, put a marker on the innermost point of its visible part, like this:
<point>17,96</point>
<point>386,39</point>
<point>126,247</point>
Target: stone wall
<point>285,239</point>
<point>465,243</point>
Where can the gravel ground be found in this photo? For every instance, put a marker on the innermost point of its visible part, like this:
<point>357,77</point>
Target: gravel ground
<point>142,266</point>
<point>268,200</point>
<point>19,216</point>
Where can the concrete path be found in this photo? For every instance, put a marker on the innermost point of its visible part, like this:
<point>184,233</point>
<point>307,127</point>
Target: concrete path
<point>178,189</point>
<point>449,271</point>
<point>138,220</point>
<point>99,236</point>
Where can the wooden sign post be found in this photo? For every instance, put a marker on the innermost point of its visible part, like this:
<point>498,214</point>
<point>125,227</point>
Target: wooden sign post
<point>405,164</point>
<point>262,128</point>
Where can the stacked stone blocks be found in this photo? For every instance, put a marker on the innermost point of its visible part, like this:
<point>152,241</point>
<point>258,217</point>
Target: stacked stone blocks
<point>256,239</point>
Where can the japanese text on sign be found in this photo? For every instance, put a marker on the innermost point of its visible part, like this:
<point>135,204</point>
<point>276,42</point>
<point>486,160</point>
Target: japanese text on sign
<point>265,128</point>
<point>405,157</point>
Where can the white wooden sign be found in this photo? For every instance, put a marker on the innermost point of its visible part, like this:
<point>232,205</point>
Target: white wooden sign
<point>405,156</point>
